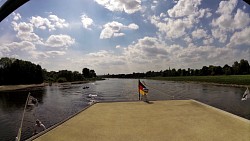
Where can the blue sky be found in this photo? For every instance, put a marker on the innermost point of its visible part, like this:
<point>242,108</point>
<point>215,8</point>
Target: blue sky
<point>126,36</point>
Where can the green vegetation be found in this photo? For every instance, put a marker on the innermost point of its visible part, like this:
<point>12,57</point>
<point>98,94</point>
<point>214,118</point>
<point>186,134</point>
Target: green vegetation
<point>223,79</point>
<point>62,76</point>
<point>69,76</point>
<point>238,68</point>
<point>15,72</point>
<point>87,73</point>
<point>237,74</point>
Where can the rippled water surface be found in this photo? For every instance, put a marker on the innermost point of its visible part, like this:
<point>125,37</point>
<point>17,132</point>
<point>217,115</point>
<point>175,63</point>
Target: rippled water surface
<point>58,102</point>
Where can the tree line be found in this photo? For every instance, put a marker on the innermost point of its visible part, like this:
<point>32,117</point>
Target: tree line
<point>14,71</point>
<point>238,68</point>
<point>68,76</point>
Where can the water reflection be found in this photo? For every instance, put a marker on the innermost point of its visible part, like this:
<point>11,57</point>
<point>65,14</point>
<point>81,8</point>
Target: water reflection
<point>11,107</point>
<point>17,99</point>
<point>57,102</point>
<point>225,98</point>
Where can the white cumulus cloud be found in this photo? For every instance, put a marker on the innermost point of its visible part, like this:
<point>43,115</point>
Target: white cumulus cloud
<point>128,6</point>
<point>227,7</point>
<point>184,8</point>
<point>199,33</point>
<point>17,16</point>
<point>51,23</point>
<point>23,46</point>
<point>56,53</point>
<point>145,48</point>
<point>228,21</point>
<point>22,27</point>
<point>240,38</point>
<point>180,19</point>
<point>173,28</point>
<point>25,31</point>
<point>219,34</point>
<point>41,23</point>
<point>86,21</point>
<point>114,29</point>
<point>58,22</point>
<point>59,41</point>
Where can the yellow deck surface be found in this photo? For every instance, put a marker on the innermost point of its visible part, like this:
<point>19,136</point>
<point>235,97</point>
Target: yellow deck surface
<point>175,120</point>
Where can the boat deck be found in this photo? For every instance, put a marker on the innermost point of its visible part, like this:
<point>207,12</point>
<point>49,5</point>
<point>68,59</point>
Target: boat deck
<point>173,120</point>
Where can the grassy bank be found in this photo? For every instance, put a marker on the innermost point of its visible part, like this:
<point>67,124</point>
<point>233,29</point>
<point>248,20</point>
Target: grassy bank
<point>17,87</point>
<point>224,79</point>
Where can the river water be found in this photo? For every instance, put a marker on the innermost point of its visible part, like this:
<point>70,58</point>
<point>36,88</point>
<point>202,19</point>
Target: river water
<point>57,102</point>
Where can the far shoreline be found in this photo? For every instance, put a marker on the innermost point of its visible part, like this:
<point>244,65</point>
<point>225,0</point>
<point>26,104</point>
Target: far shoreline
<point>211,83</point>
<point>22,86</point>
<point>227,81</point>
<point>26,86</point>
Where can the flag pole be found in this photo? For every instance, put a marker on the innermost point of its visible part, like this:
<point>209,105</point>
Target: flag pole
<point>139,89</point>
<point>20,129</point>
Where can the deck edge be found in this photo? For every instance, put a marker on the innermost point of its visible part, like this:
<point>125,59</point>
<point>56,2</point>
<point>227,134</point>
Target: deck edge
<point>59,123</point>
<point>222,111</point>
<point>203,104</point>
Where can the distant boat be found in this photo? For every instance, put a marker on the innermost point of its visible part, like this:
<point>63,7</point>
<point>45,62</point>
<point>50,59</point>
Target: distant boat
<point>86,87</point>
<point>244,97</point>
<point>92,95</point>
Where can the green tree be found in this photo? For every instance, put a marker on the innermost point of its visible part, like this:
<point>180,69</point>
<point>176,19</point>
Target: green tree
<point>244,67</point>
<point>236,68</point>
<point>205,71</point>
<point>85,73</point>
<point>65,74</point>
<point>61,80</point>
<point>179,72</point>
<point>215,70</point>
<point>38,75</point>
<point>15,71</point>
<point>227,70</point>
<point>173,72</point>
<point>77,76</point>
<point>92,73</point>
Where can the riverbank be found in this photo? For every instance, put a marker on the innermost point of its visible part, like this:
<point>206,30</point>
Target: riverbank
<point>224,80</point>
<point>18,87</point>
